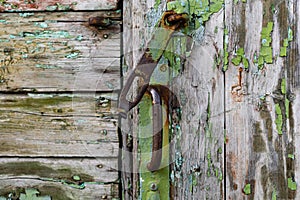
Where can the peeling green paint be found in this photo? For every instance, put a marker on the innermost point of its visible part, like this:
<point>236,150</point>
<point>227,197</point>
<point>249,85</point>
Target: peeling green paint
<point>45,34</point>
<point>240,58</point>
<point>279,118</point>
<point>25,15</point>
<point>157,3</point>
<point>41,24</point>
<point>274,195</point>
<point>292,185</point>
<point>79,38</point>
<point>266,52</point>
<point>247,189</point>
<point>33,194</point>
<point>285,43</point>
<point>73,55</point>
<point>291,156</point>
<point>283,86</point>
<point>200,9</point>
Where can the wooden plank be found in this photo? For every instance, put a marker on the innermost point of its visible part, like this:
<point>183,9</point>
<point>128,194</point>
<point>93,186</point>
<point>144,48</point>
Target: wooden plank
<point>57,190</point>
<point>54,5</point>
<point>198,128</point>
<point>260,114</point>
<point>60,50</point>
<point>58,126</point>
<point>94,169</point>
<point>197,139</point>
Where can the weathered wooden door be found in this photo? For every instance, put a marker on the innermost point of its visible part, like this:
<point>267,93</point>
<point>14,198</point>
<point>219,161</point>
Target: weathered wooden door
<point>235,135</point>
<point>58,77</point>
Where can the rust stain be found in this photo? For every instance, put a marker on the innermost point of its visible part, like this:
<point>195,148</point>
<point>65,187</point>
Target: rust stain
<point>236,90</point>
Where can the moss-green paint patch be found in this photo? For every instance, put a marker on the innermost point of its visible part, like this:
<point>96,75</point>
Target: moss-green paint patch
<point>240,58</point>
<point>43,171</point>
<point>283,51</point>
<point>159,177</point>
<point>279,118</point>
<point>266,52</point>
<point>283,86</point>
<point>292,185</point>
<point>274,195</point>
<point>157,3</point>
<point>247,189</point>
<point>285,43</point>
<point>40,104</point>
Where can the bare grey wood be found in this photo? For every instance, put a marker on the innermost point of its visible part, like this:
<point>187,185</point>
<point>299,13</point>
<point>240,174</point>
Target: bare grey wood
<point>60,191</point>
<point>60,50</point>
<point>46,125</point>
<point>62,5</point>
<point>261,104</point>
<point>197,152</point>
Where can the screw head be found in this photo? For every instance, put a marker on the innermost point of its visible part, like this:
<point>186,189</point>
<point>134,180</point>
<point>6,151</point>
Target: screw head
<point>163,68</point>
<point>153,186</point>
<point>105,36</point>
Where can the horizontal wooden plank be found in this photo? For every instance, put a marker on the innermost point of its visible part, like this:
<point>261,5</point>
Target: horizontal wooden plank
<point>89,170</point>
<point>57,191</point>
<point>62,54</point>
<point>51,5</point>
<point>58,126</point>
<point>60,178</point>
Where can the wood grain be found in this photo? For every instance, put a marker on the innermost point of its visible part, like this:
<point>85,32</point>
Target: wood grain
<point>45,126</point>
<point>58,52</point>
<point>61,5</point>
<point>260,113</point>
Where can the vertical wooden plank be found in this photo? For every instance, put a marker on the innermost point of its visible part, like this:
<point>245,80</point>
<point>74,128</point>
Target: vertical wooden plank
<point>135,36</point>
<point>198,127</point>
<point>260,116</point>
<point>197,171</point>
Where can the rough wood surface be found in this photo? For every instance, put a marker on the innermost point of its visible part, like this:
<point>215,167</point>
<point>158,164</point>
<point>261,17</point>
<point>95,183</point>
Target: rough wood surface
<point>58,120</point>
<point>60,50</point>
<point>198,150</point>
<point>252,107</point>
<point>60,5</point>
<point>59,191</point>
<point>262,103</point>
<point>58,126</point>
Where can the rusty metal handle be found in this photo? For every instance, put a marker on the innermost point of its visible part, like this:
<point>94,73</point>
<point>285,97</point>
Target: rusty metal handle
<point>157,123</point>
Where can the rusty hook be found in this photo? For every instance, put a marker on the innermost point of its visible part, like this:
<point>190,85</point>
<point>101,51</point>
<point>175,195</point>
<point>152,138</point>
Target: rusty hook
<point>157,123</point>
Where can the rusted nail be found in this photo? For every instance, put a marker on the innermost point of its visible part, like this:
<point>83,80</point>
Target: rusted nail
<point>99,21</point>
<point>157,124</point>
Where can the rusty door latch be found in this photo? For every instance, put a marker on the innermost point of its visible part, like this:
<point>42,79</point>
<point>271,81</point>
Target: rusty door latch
<point>169,23</point>
<point>157,124</point>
